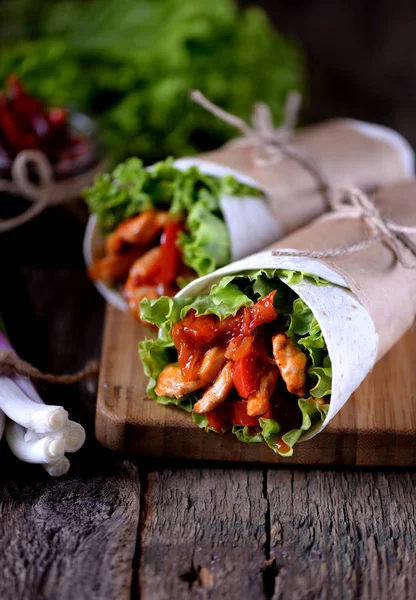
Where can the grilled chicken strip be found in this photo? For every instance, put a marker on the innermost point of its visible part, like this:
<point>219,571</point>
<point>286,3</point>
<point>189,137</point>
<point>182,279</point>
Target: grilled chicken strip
<point>291,362</point>
<point>143,266</point>
<point>259,402</point>
<point>218,392</point>
<point>115,267</point>
<point>141,230</point>
<point>171,382</point>
<point>134,296</point>
<point>211,364</point>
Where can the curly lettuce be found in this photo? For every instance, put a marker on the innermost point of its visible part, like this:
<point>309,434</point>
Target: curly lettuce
<point>131,64</point>
<point>225,299</point>
<point>131,188</point>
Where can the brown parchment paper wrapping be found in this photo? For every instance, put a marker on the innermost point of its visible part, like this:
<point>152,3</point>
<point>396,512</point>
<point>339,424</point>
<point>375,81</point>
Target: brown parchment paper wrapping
<point>349,152</point>
<point>380,282</point>
<point>346,154</point>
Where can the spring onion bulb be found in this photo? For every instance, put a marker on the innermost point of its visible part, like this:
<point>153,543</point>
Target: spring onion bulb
<point>35,432</point>
<point>45,450</point>
<point>57,468</point>
<point>73,436</point>
<point>19,408</point>
<point>27,387</point>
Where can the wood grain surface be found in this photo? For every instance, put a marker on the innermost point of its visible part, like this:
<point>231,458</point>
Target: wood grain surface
<point>198,526</point>
<point>278,534</point>
<point>69,538</point>
<point>376,427</point>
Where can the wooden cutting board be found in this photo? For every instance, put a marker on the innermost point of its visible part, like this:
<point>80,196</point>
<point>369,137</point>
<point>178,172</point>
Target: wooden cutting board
<point>377,426</point>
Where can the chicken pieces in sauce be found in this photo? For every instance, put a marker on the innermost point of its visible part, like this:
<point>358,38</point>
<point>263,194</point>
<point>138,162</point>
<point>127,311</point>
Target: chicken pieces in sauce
<point>218,392</point>
<point>291,362</point>
<point>132,263</point>
<point>173,384</point>
<point>141,231</point>
<point>238,367</point>
<point>259,402</point>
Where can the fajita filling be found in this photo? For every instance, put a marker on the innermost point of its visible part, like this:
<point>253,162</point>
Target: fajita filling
<point>163,227</point>
<point>249,357</point>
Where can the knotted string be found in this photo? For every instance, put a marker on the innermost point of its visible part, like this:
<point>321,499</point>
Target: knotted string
<point>353,203</point>
<point>268,143</point>
<point>9,362</point>
<point>46,192</point>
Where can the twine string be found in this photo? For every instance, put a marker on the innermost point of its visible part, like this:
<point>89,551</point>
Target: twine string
<point>268,143</point>
<point>353,203</point>
<point>11,363</point>
<point>46,192</point>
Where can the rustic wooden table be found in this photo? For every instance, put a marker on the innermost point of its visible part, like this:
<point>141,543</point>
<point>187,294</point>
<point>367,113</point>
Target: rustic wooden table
<point>118,529</point>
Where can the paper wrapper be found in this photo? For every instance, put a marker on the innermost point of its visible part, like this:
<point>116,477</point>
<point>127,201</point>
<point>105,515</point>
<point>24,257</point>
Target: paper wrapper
<point>348,152</point>
<point>370,303</point>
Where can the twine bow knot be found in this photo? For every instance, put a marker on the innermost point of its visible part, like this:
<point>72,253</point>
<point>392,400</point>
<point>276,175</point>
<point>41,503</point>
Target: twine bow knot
<point>353,203</point>
<point>269,144</point>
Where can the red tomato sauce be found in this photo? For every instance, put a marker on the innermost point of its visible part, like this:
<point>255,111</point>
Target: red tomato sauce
<point>244,338</point>
<point>247,343</point>
<point>282,446</point>
<point>242,335</point>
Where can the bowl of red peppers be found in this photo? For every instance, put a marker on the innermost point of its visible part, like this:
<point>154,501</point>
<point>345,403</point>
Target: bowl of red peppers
<point>64,143</point>
<point>68,139</point>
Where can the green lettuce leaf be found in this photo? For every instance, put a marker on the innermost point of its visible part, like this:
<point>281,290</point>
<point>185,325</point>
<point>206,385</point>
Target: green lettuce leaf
<point>131,188</point>
<point>245,434</point>
<point>323,376</point>
<point>225,299</point>
<point>207,245</point>
<point>201,421</point>
<point>312,412</point>
<point>270,430</point>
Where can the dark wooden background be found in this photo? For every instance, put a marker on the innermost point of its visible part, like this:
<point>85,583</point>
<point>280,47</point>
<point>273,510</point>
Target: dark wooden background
<point>118,529</point>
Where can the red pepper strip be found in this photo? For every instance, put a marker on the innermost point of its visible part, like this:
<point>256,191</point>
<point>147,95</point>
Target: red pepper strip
<point>245,375</point>
<point>171,254</point>
<point>58,117</point>
<point>220,418</point>
<point>59,135</point>
<point>230,413</point>
<point>165,270</point>
<point>239,414</point>
<point>262,311</point>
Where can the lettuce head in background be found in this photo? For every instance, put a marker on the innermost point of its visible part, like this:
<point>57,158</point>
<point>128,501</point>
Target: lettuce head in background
<point>131,63</point>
